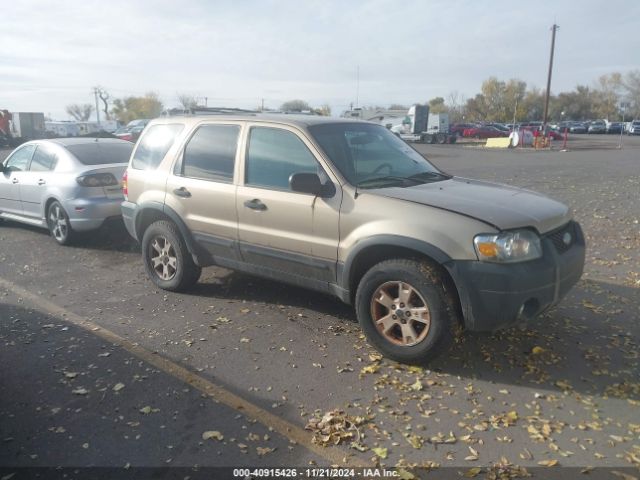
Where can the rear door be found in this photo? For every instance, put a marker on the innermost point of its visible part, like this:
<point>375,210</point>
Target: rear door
<point>33,185</point>
<point>201,188</point>
<point>15,168</point>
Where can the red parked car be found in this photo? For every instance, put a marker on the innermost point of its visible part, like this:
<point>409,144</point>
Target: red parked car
<point>486,131</point>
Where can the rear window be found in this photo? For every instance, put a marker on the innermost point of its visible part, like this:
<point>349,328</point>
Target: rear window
<point>154,145</point>
<point>100,153</point>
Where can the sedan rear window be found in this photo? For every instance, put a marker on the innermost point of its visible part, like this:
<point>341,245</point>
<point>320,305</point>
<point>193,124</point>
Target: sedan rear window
<point>100,153</point>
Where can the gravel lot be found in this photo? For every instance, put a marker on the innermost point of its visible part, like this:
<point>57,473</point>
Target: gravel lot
<point>563,392</point>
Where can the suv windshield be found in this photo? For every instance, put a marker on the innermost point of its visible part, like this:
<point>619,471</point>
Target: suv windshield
<point>371,156</point>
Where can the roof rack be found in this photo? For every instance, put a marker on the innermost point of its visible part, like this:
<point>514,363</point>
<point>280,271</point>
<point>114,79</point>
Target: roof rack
<point>208,111</point>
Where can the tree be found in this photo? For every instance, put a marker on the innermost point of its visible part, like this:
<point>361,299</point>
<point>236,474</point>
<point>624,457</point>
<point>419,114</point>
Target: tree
<point>131,108</point>
<point>456,106</point>
<point>187,101</point>
<point>324,110</point>
<point>104,96</point>
<point>631,93</point>
<point>607,95</point>
<point>437,105</point>
<point>295,106</point>
<point>80,112</point>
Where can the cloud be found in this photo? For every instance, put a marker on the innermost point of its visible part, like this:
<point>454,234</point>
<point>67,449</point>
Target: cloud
<point>237,53</point>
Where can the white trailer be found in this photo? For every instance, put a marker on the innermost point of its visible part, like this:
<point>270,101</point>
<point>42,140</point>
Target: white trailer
<point>27,125</point>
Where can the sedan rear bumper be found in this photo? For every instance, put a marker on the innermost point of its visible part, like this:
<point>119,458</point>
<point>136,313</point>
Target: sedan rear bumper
<point>90,213</point>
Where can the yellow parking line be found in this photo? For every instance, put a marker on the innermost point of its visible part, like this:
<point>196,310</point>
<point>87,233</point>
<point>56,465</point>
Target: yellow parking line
<point>219,394</point>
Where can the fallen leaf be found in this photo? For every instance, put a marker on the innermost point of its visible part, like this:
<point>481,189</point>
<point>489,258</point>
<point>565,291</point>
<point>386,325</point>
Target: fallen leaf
<point>473,472</point>
<point>80,391</point>
<point>118,386</point>
<point>548,463</point>
<point>380,452</point>
<point>263,451</point>
<point>216,435</point>
<point>402,474</point>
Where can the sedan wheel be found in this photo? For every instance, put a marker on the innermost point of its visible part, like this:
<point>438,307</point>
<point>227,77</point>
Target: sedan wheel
<point>58,223</point>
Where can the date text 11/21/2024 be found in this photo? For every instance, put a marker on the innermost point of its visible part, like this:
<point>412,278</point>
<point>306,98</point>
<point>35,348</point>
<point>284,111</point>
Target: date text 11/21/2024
<point>315,472</point>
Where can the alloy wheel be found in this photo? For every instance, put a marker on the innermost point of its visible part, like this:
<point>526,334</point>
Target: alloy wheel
<point>400,313</point>
<point>58,223</point>
<point>163,258</point>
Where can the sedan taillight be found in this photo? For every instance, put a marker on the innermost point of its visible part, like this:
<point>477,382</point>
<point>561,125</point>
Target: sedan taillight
<point>97,180</point>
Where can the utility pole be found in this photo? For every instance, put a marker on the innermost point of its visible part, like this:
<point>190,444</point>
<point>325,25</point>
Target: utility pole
<point>95,94</point>
<point>357,85</point>
<point>546,100</point>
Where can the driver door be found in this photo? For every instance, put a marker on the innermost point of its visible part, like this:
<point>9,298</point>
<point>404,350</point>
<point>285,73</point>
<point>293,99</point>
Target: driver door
<point>15,167</point>
<point>281,230</point>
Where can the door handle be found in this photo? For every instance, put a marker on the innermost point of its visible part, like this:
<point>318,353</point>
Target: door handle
<point>182,192</point>
<point>255,204</point>
<point>41,182</point>
<point>14,180</point>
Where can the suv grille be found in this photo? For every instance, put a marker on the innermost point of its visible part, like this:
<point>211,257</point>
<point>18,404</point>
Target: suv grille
<point>559,236</point>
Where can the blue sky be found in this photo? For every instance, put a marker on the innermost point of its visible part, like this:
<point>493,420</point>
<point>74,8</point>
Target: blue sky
<point>239,52</point>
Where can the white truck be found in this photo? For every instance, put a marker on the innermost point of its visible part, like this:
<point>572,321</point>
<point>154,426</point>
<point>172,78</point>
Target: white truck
<point>420,126</point>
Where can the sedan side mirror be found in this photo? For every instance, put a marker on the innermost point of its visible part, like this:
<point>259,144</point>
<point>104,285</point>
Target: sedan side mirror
<point>310,183</point>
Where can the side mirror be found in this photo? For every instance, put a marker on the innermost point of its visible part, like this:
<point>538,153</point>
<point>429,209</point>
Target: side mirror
<point>309,183</point>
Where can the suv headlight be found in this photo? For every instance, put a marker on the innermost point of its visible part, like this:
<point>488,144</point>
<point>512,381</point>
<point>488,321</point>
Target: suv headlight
<point>507,247</point>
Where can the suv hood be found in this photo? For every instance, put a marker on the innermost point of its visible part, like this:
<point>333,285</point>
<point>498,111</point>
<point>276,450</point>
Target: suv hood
<point>500,205</point>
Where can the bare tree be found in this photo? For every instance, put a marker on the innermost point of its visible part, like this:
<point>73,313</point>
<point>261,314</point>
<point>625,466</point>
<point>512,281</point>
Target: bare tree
<point>104,96</point>
<point>80,112</point>
<point>187,101</point>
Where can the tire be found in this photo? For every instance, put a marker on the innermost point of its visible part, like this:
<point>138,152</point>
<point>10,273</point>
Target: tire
<point>166,258</point>
<point>59,225</point>
<point>433,330</point>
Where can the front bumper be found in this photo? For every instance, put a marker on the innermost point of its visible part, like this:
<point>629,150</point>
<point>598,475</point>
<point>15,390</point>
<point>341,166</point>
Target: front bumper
<point>90,213</point>
<point>495,296</point>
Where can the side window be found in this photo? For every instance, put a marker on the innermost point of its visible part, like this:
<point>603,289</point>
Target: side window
<point>154,145</point>
<point>44,160</point>
<point>211,153</point>
<point>19,161</point>
<point>273,155</point>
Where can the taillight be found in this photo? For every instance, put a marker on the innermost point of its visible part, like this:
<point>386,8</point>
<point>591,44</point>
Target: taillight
<point>97,180</point>
<point>125,187</point>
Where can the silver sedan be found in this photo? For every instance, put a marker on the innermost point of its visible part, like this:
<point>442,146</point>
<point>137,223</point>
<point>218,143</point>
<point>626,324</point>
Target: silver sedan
<point>66,185</point>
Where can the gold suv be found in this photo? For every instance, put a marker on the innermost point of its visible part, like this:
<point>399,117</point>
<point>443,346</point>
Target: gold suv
<point>347,208</point>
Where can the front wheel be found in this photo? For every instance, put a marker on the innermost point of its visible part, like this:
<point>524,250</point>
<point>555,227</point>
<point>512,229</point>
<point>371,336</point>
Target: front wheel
<point>166,258</point>
<point>58,223</point>
<point>405,311</point>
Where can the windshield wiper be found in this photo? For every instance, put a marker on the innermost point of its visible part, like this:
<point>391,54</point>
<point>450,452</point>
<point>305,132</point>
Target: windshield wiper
<point>389,178</point>
<point>431,176</point>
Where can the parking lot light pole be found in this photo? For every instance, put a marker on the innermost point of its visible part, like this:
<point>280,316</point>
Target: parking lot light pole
<point>546,100</point>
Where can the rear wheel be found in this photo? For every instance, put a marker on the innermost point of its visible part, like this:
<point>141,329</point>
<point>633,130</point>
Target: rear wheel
<point>404,310</point>
<point>58,223</point>
<point>166,258</point>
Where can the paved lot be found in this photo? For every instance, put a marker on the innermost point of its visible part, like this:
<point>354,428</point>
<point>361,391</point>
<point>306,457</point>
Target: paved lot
<point>563,390</point>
